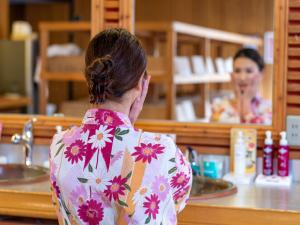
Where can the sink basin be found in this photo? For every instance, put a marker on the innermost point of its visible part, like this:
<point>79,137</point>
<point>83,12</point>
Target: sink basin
<point>206,188</point>
<point>13,174</point>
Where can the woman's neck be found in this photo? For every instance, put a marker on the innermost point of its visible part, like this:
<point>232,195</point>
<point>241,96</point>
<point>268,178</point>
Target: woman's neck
<point>114,106</point>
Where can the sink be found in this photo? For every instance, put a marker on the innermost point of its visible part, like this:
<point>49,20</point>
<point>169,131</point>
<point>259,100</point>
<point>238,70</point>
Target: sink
<point>12,174</point>
<point>207,188</point>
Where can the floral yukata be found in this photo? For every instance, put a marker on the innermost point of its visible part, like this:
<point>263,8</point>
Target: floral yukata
<point>225,111</point>
<point>107,172</point>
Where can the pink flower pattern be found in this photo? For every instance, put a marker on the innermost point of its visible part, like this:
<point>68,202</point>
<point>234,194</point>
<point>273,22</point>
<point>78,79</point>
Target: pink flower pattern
<point>161,187</point>
<point>91,212</point>
<point>75,152</point>
<point>225,110</point>
<point>78,196</point>
<point>179,180</point>
<point>116,188</point>
<point>147,152</point>
<point>71,135</point>
<point>152,205</point>
<point>56,189</point>
<point>105,150</point>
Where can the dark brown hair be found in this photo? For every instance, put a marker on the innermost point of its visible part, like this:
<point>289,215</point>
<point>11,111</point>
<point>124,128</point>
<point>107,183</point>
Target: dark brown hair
<point>251,54</point>
<point>115,62</point>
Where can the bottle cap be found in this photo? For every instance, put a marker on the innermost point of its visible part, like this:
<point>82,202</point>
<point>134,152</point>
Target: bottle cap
<point>268,140</point>
<point>283,140</point>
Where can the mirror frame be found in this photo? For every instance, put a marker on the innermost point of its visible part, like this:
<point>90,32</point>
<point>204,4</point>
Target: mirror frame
<point>205,132</point>
<point>206,138</point>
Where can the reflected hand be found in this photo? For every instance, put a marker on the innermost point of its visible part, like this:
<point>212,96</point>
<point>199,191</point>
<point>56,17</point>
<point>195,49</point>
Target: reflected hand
<point>137,106</point>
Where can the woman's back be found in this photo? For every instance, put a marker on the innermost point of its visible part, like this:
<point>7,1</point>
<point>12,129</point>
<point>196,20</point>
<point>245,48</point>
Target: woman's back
<point>107,172</point>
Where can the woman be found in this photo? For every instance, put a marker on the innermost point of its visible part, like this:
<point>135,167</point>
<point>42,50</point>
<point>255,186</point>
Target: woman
<point>106,171</point>
<point>248,106</point>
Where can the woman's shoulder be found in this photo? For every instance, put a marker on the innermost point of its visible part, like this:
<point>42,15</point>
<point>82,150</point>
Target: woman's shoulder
<point>166,140</point>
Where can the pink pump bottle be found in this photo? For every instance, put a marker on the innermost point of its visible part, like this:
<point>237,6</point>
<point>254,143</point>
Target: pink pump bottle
<point>283,156</point>
<point>268,155</point>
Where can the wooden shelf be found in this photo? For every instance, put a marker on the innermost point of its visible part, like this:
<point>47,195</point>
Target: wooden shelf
<point>201,79</point>
<point>214,34</point>
<point>63,76</point>
<point>144,28</point>
<point>169,35</point>
<point>65,26</point>
<point>13,102</point>
<point>157,76</point>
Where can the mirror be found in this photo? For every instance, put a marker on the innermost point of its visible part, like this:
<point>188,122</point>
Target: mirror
<point>211,79</point>
<point>191,46</point>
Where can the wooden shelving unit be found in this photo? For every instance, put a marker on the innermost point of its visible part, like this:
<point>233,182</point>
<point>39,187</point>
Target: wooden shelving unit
<point>105,14</point>
<point>69,68</point>
<point>162,68</point>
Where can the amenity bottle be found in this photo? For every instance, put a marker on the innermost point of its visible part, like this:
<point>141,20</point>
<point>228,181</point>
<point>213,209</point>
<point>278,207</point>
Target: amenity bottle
<point>283,156</point>
<point>268,155</point>
<point>240,155</point>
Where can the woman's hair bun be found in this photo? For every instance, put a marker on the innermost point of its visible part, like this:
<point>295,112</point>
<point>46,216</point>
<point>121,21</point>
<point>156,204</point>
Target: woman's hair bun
<point>99,75</point>
<point>99,68</point>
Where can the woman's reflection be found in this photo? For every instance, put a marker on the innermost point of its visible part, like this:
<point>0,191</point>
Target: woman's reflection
<point>248,106</point>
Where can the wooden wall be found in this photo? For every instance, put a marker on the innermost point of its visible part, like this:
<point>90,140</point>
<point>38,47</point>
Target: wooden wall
<point>248,17</point>
<point>293,60</point>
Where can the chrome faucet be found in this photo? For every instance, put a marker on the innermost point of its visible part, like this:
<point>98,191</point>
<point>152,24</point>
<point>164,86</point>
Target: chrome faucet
<point>26,139</point>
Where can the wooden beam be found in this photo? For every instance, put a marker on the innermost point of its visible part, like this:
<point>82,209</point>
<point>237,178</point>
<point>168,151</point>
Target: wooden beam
<point>65,26</point>
<point>4,19</point>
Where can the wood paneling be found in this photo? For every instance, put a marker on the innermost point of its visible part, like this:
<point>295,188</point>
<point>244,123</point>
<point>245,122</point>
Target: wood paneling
<point>248,17</point>
<point>4,15</point>
<point>112,13</point>
<point>293,61</point>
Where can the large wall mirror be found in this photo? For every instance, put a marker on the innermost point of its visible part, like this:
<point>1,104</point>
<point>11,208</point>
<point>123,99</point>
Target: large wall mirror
<point>212,79</point>
<point>198,86</point>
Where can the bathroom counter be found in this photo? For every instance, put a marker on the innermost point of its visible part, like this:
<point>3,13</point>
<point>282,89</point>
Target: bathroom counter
<point>27,200</point>
<point>251,205</point>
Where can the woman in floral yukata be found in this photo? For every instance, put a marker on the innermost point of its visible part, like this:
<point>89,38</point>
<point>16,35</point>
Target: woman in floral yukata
<point>248,106</point>
<point>106,171</point>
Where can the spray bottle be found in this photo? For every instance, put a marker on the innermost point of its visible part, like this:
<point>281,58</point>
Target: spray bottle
<point>268,155</point>
<point>283,156</point>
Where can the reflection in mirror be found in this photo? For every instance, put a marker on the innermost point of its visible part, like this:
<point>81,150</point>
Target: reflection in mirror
<point>191,47</point>
<point>210,60</point>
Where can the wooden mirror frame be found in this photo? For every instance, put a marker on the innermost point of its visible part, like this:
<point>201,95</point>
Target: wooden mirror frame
<point>214,138</point>
<point>206,138</point>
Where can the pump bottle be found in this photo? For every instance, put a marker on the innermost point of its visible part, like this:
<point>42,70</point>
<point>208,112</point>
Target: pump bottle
<point>268,155</point>
<point>283,156</point>
<point>240,155</point>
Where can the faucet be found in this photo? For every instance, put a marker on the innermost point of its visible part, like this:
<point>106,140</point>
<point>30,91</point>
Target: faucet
<point>26,139</point>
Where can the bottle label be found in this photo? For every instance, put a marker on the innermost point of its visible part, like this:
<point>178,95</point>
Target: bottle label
<point>268,150</point>
<point>283,162</point>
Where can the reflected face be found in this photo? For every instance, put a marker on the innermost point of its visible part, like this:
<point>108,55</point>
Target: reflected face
<point>246,77</point>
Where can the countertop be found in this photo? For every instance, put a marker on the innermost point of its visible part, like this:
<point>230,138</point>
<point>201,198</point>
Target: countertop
<point>258,197</point>
<point>34,200</point>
